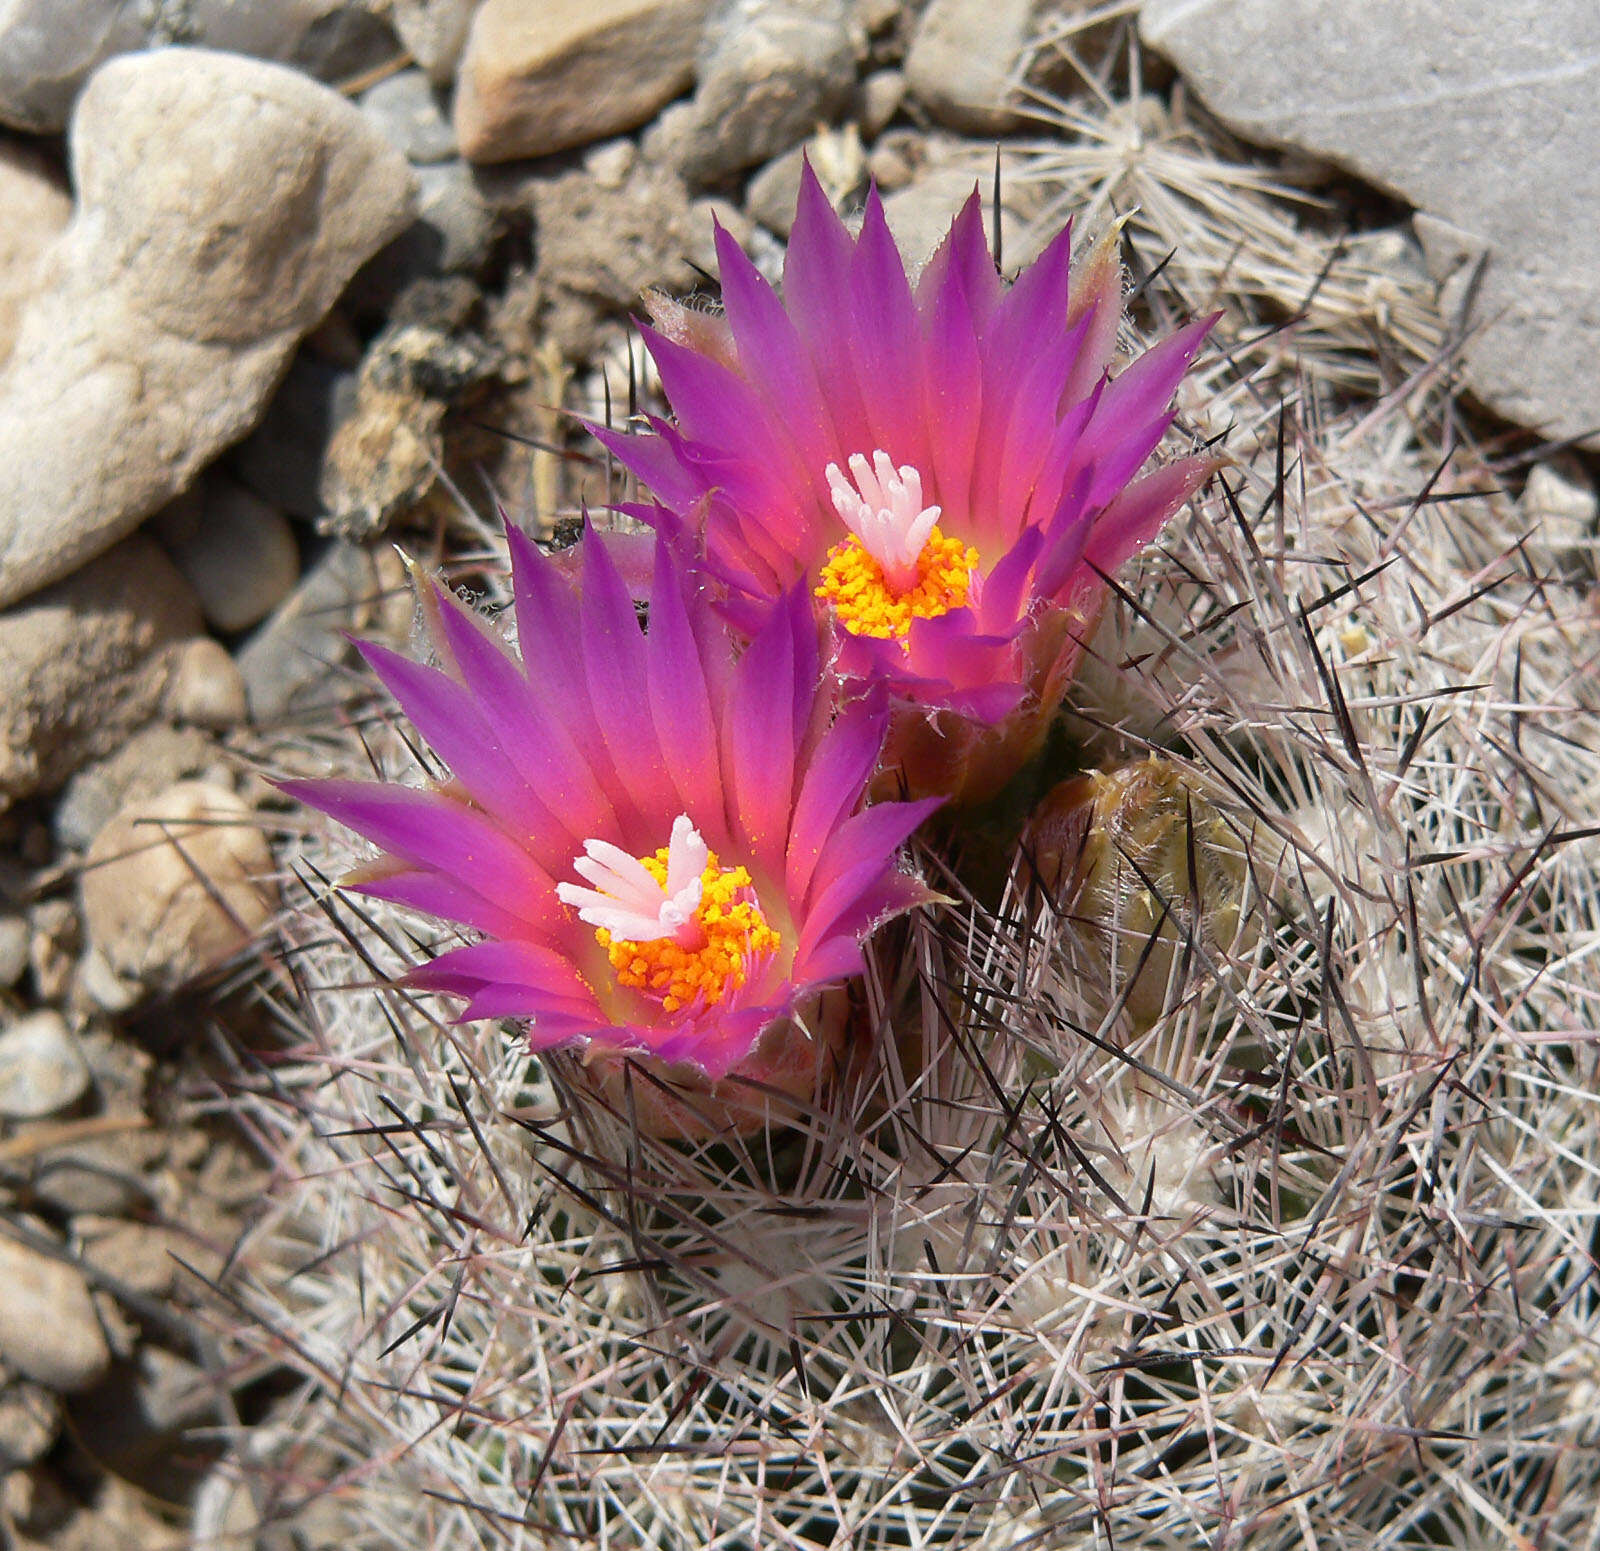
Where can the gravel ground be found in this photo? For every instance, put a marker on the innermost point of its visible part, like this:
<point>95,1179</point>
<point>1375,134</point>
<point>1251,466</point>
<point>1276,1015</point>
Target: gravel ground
<point>291,288</point>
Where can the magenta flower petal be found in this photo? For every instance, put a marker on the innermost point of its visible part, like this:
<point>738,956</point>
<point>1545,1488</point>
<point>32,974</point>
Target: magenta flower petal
<point>816,287</point>
<point>431,830</point>
<point>849,865</point>
<point>528,965</point>
<point>961,269</point>
<point>433,894</point>
<point>894,896</point>
<point>772,356</point>
<point>886,342</point>
<point>1136,515</point>
<point>760,735</point>
<point>662,747</point>
<point>450,717</point>
<point>823,438</point>
<point>843,763</point>
<point>680,696</point>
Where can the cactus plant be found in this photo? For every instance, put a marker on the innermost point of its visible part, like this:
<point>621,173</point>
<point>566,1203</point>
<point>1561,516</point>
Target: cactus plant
<point>1295,1250</point>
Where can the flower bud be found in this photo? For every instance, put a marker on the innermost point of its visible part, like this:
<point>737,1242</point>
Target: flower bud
<point>1142,870</point>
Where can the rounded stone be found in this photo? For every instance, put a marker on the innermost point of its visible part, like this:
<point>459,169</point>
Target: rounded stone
<point>541,78</point>
<point>34,207</point>
<point>434,33</point>
<point>768,72</point>
<point>83,663</point>
<point>407,114</point>
<point>30,1419</point>
<point>13,948</point>
<point>42,1070</point>
<point>223,205</point>
<point>206,688</point>
<point>176,883</point>
<point>237,552</point>
<point>49,1331</point>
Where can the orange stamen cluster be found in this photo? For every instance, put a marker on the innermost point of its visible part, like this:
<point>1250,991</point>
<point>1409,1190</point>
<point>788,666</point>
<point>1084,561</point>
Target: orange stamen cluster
<point>731,931</point>
<point>864,602</point>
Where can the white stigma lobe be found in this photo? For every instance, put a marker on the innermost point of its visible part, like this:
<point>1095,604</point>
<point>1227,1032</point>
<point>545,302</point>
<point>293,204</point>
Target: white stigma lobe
<point>884,511</point>
<point>626,900</point>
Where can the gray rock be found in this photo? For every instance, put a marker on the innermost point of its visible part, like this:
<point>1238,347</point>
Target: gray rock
<point>236,551</point>
<point>150,761</point>
<point>455,215</point>
<point>42,1070</point>
<point>878,99</point>
<point>34,207</point>
<point>223,204</point>
<point>136,1255</point>
<point>105,1176</point>
<point>85,662</point>
<point>771,195</point>
<point>769,71</point>
<point>1559,505</point>
<point>13,948</point>
<point>407,114</point>
<point>920,214</point>
<point>450,236</point>
<point>175,884</point>
<point>1488,125</point>
<point>30,1418</point>
<point>540,78</point>
<point>434,33</point>
<point>287,662</point>
<point>281,460</point>
<point>48,48</point>
<point>48,1328</point>
<point>1560,495</point>
<point>205,687</point>
<point>966,60</point>
<point>610,242</point>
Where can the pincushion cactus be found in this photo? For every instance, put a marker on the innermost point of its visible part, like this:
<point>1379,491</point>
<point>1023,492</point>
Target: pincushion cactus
<point>1298,1253</point>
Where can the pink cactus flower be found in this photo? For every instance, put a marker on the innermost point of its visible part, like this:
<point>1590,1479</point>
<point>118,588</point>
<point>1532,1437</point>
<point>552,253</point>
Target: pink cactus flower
<point>658,843</point>
<point>949,468</point>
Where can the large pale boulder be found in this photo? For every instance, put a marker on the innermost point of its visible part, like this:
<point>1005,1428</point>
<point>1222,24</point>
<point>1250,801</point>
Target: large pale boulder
<point>34,206</point>
<point>1484,115</point>
<point>222,206</point>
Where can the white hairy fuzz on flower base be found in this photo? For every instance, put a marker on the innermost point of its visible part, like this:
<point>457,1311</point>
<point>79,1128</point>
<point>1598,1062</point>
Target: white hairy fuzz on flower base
<point>627,901</point>
<point>884,511</point>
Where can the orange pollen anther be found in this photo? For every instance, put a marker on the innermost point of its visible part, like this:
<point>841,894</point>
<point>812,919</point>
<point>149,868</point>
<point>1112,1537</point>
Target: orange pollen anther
<point>866,604</point>
<point>711,954</point>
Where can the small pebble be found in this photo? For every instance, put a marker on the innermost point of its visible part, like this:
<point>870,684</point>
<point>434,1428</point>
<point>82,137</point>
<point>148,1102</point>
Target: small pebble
<point>236,551</point>
<point>206,688</point>
<point>13,949</point>
<point>42,1070</point>
<point>49,1331</point>
<point>878,100</point>
<point>455,217</point>
<point>407,113</point>
<point>175,883</point>
<point>30,1418</point>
